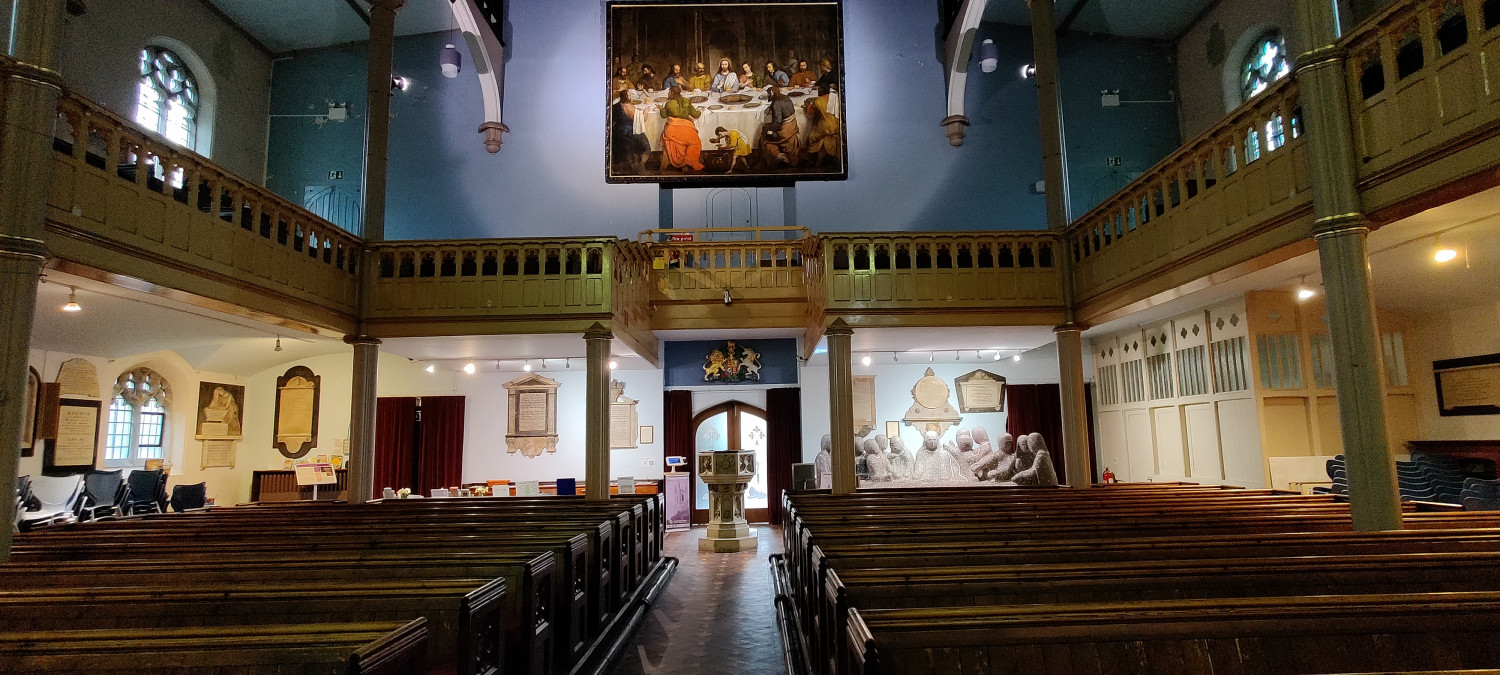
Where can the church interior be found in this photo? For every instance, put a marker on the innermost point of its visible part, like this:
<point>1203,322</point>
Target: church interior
<point>763,336</point>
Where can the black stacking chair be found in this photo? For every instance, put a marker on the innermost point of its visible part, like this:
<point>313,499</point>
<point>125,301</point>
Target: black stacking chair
<point>23,499</point>
<point>186,497</point>
<point>102,492</point>
<point>143,493</point>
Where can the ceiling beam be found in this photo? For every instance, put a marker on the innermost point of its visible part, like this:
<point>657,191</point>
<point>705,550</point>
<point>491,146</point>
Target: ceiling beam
<point>1072,16</point>
<point>359,11</point>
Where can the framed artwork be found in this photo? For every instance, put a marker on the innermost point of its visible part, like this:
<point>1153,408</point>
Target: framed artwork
<point>648,435</point>
<point>296,422</point>
<point>32,405</point>
<point>724,92</point>
<point>75,449</point>
<point>1468,386</point>
<point>220,407</point>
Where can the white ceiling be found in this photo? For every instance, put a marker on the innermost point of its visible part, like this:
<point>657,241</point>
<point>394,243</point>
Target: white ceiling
<point>287,25</point>
<point>116,323</point>
<point>1145,19</point>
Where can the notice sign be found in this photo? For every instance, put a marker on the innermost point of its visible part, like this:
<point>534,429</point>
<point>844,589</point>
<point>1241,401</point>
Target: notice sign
<point>1468,386</point>
<point>316,474</point>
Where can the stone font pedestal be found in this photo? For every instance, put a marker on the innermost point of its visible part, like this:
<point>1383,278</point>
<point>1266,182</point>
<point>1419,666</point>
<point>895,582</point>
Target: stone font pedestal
<point>727,474</point>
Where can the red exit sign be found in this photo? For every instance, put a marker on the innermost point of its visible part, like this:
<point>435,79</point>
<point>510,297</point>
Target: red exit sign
<point>686,236</point>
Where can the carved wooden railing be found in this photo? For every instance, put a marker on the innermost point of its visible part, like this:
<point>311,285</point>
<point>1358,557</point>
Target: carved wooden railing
<point>632,297</point>
<point>746,283</point>
<point>1245,176</point>
<point>125,201</point>
<point>492,286</point>
<point>1424,95</point>
<point>942,276</point>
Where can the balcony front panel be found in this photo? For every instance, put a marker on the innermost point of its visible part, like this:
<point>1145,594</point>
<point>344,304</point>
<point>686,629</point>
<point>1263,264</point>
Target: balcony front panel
<point>1237,192</point>
<point>992,278</point>
<point>125,202</point>
<point>765,283</point>
<point>493,286</point>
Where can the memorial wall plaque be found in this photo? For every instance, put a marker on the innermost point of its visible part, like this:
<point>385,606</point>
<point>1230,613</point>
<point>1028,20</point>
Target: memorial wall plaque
<point>76,447</point>
<point>1468,386</point>
<point>623,423</point>
<point>296,424</point>
<point>864,404</point>
<point>219,409</point>
<point>930,409</point>
<point>531,420</point>
<point>980,391</point>
<point>78,377</point>
<point>218,453</point>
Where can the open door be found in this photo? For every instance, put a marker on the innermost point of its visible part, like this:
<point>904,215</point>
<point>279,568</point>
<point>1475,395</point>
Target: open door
<point>732,426</point>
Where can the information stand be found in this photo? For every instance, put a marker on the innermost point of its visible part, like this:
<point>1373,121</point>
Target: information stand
<point>315,475</point>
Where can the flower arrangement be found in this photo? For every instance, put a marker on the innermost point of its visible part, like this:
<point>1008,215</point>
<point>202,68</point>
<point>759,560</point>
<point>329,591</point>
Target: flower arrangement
<point>403,493</point>
<point>480,490</point>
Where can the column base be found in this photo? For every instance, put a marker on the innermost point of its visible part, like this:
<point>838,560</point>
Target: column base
<point>729,544</point>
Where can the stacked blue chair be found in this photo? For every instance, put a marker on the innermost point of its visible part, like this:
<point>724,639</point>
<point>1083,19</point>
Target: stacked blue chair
<point>1426,478</point>
<point>1481,495</point>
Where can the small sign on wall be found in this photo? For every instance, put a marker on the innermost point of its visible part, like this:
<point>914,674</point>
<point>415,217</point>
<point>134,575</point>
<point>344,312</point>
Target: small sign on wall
<point>1468,386</point>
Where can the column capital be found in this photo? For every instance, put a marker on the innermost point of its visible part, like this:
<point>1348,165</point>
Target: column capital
<point>1070,327</point>
<point>598,332</point>
<point>393,5</point>
<point>1319,57</point>
<point>357,340</point>
<point>1343,223</point>
<point>22,247</point>
<point>20,70</point>
<point>838,328</point>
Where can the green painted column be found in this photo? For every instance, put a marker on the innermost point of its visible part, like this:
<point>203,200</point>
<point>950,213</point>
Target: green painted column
<point>596,341</point>
<point>841,405</point>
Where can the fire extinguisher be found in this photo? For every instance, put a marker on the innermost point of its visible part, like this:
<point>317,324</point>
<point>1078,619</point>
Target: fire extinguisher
<point>1109,476</point>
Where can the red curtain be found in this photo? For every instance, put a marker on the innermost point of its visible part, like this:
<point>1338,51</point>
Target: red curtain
<point>1037,409</point>
<point>783,443</point>
<point>395,443</point>
<point>677,420</point>
<point>440,459</point>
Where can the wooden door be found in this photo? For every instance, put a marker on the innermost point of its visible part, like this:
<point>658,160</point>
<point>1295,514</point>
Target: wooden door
<point>732,426</point>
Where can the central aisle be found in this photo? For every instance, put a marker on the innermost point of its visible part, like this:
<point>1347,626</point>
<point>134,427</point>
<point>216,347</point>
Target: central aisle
<point>717,615</point>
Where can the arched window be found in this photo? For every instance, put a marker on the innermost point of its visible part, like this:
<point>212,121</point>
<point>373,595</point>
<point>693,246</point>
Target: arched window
<point>1265,63</point>
<point>137,418</point>
<point>168,98</point>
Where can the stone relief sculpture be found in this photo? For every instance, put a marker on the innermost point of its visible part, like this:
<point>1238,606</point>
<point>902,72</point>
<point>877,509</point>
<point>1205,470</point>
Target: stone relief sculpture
<point>1001,464</point>
<point>983,449</point>
<point>935,464</point>
<point>877,464</point>
<point>823,463</point>
<point>903,462</point>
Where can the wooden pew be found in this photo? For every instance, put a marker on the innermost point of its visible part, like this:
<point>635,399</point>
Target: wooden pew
<point>366,648</point>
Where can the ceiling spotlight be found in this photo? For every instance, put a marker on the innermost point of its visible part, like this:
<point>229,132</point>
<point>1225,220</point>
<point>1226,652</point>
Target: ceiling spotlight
<point>957,354</point>
<point>568,363</point>
<point>893,358</point>
<point>72,305</point>
<point>1305,293</point>
<point>1028,71</point>
<point>450,61</point>
<point>400,83</point>
<point>613,365</point>
<point>865,361</point>
<point>989,55</point>
<point>997,355</point>
<point>278,344</point>
<point>469,368</point>
<point>544,364</point>
<point>1445,254</point>
<point>527,367</point>
<point>431,368</point>
<point>929,357</point>
<point>1017,357</point>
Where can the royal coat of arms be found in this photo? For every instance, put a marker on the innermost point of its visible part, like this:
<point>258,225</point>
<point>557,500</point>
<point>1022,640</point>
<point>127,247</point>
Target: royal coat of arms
<point>733,363</point>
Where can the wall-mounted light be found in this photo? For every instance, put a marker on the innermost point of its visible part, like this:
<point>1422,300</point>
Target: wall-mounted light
<point>613,365</point>
<point>72,305</point>
<point>400,83</point>
<point>451,61</point>
<point>431,368</point>
<point>469,368</point>
<point>1303,291</point>
<point>989,55</point>
<point>1028,71</point>
<point>865,361</point>
<point>1445,254</point>
<point>727,299</point>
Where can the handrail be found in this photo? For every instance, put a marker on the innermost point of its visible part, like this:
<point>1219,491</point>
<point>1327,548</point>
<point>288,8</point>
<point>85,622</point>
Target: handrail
<point>697,234</point>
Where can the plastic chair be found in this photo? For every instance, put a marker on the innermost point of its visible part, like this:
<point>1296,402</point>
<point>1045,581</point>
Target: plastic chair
<point>144,493</point>
<point>56,497</point>
<point>186,497</point>
<point>101,494</point>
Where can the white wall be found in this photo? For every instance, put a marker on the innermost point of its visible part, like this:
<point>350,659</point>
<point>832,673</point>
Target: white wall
<point>1201,83</point>
<point>101,56</point>
<point>894,381</point>
<point>1449,335</point>
<point>183,452</point>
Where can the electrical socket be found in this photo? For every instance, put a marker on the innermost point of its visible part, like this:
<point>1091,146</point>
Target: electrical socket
<point>648,461</point>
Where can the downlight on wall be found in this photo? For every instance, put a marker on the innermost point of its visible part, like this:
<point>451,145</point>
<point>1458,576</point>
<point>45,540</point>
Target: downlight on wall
<point>1445,254</point>
<point>1305,292</point>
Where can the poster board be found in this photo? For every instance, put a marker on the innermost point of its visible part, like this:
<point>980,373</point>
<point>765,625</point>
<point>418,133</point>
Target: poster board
<point>220,407</point>
<point>296,423</point>
<point>76,447</point>
<point>1468,386</point>
<point>310,473</point>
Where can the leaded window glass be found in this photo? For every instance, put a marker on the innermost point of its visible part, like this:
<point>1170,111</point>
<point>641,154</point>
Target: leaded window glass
<point>137,418</point>
<point>1266,63</point>
<point>167,100</point>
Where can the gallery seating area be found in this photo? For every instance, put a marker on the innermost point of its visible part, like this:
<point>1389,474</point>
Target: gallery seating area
<point>1150,578</point>
<point>515,585</point>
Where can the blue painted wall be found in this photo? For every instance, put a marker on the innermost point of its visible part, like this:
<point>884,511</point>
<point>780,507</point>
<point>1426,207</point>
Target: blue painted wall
<point>548,178</point>
<point>683,362</point>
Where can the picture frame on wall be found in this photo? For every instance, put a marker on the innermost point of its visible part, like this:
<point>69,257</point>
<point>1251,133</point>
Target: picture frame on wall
<point>220,411</point>
<point>75,448</point>
<point>766,107</point>
<point>1468,386</point>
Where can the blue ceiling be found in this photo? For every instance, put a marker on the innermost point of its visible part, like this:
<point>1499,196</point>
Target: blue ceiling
<point>1145,19</point>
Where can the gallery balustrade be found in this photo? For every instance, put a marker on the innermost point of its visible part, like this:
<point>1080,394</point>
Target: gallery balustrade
<point>125,201</point>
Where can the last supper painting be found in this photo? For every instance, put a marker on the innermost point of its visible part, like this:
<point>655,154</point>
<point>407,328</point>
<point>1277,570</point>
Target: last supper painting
<point>725,92</point>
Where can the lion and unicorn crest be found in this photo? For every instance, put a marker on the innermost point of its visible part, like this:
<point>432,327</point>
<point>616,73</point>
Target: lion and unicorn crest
<point>734,363</point>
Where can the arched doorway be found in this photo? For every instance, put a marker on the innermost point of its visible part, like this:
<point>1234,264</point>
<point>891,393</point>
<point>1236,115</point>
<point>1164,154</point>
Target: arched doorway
<point>732,425</point>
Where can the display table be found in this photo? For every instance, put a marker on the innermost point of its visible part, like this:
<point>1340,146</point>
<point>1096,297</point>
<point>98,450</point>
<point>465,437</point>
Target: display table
<point>747,121</point>
<point>727,474</point>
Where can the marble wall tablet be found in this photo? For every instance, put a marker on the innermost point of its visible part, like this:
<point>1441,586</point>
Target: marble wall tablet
<point>531,415</point>
<point>980,391</point>
<point>78,377</point>
<point>930,409</point>
<point>624,423</point>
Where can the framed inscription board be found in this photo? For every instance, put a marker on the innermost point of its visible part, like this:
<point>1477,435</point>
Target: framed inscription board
<point>980,391</point>
<point>531,415</point>
<point>296,424</point>
<point>623,421</point>
<point>864,404</point>
<point>76,447</point>
<point>1468,386</point>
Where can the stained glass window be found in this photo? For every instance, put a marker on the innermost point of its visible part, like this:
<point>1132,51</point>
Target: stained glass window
<point>167,99</point>
<point>1266,63</point>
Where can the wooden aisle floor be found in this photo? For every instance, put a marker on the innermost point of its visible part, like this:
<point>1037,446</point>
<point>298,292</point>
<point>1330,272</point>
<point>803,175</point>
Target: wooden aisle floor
<point>717,615</point>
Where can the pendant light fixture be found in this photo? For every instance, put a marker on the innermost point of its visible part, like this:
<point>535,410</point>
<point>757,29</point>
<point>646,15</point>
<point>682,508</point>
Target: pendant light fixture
<point>278,344</point>
<point>451,61</point>
<point>72,305</point>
